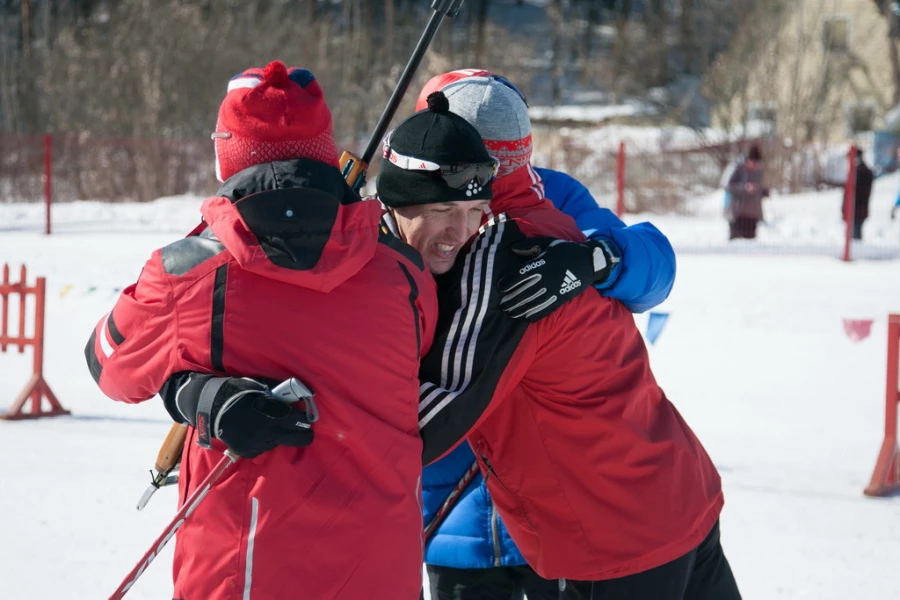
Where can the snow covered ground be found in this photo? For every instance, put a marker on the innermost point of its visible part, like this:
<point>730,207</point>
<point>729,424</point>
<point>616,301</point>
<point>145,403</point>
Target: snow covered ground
<point>753,354</point>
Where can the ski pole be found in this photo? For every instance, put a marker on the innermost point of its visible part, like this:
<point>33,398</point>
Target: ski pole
<point>455,493</point>
<point>442,512</point>
<point>353,167</point>
<point>186,509</point>
<point>289,391</point>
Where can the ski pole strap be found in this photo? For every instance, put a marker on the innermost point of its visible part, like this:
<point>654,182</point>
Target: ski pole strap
<point>205,405</point>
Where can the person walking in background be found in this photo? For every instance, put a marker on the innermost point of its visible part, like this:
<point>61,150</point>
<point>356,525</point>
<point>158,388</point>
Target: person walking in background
<point>862,193</point>
<point>745,192</point>
<point>292,277</point>
<point>470,555</point>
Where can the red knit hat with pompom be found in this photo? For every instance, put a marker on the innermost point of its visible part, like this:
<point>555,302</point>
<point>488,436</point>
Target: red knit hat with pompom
<point>275,113</point>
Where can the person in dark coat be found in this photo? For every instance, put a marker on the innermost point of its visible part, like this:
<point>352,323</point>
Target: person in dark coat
<point>746,190</point>
<point>862,193</point>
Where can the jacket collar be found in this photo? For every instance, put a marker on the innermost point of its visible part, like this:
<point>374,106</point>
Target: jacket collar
<point>521,189</point>
<point>281,174</point>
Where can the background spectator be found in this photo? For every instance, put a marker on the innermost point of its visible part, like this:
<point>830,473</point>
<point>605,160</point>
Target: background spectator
<point>746,191</point>
<point>861,196</point>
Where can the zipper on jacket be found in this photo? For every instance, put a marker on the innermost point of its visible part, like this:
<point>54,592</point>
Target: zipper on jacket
<point>491,471</point>
<point>495,535</point>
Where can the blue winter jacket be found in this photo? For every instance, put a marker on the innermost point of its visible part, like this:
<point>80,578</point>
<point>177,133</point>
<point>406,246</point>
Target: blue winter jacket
<point>472,535</point>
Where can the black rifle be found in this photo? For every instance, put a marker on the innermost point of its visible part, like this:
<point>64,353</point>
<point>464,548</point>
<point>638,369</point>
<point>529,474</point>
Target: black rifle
<point>353,167</point>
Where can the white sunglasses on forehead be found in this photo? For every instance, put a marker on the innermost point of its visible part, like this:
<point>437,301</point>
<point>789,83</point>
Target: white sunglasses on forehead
<point>457,176</point>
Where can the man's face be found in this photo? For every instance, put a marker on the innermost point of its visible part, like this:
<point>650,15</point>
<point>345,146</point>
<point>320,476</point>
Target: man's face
<point>438,231</point>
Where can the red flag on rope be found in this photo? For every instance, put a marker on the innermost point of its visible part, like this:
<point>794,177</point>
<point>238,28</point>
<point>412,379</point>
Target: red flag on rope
<point>857,329</point>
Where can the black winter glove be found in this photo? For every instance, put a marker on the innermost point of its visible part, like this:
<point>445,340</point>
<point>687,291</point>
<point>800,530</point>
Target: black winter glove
<point>555,272</point>
<point>244,414</point>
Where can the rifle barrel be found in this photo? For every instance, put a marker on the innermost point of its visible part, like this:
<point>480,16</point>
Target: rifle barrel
<point>402,85</point>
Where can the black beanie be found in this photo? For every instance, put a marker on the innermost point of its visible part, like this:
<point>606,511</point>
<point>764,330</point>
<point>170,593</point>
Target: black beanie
<point>435,135</point>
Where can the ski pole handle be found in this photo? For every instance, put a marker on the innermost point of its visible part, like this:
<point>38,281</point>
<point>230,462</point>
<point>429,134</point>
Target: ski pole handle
<point>170,451</point>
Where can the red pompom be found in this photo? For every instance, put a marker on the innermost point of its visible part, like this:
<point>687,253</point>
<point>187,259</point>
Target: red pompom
<point>275,74</point>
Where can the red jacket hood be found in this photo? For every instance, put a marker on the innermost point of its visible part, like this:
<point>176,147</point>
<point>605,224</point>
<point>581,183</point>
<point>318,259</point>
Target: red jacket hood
<point>295,221</point>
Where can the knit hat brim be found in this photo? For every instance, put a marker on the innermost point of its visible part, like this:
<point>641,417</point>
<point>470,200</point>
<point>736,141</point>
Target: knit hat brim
<point>435,156</point>
<point>399,187</point>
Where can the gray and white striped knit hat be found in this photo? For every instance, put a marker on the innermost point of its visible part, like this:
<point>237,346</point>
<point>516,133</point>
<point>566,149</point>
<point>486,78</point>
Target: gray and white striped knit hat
<point>498,111</point>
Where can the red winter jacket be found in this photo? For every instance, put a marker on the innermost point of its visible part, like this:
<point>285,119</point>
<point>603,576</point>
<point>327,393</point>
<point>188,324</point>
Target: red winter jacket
<point>592,469</point>
<point>292,278</point>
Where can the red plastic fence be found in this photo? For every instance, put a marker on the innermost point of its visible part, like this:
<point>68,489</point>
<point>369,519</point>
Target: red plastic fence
<point>48,180</point>
<point>675,185</point>
<point>37,388</point>
<point>34,168</point>
<point>886,476</point>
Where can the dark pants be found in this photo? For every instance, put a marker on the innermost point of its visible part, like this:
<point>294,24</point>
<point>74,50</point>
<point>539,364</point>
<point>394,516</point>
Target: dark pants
<point>857,230</point>
<point>497,583</point>
<point>701,574</point>
<point>742,227</point>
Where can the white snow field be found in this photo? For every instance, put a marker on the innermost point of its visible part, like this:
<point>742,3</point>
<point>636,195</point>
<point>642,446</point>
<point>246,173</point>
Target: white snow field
<point>753,354</point>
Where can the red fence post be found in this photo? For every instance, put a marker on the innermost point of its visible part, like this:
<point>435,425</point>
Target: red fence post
<point>620,181</point>
<point>37,388</point>
<point>48,177</point>
<point>886,476</point>
<point>4,307</point>
<point>849,200</point>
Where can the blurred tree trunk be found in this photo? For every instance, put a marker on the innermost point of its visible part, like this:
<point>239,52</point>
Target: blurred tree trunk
<point>621,47</point>
<point>480,31</point>
<point>687,39</point>
<point>655,21</point>
<point>557,16</point>
<point>388,41</point>
<point>25,7</point>
<point>894,53</point>
<point>891,11</point>
<point>587,37</point>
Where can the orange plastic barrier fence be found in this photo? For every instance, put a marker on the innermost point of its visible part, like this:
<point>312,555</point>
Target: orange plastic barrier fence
<point>36,389</point>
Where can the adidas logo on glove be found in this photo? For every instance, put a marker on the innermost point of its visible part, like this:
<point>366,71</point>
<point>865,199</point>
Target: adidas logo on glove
<point>569,283</point>
<point>531,266</point>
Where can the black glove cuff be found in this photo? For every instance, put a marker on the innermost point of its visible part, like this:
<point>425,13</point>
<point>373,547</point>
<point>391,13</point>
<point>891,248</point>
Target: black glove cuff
<point>180,394</point>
